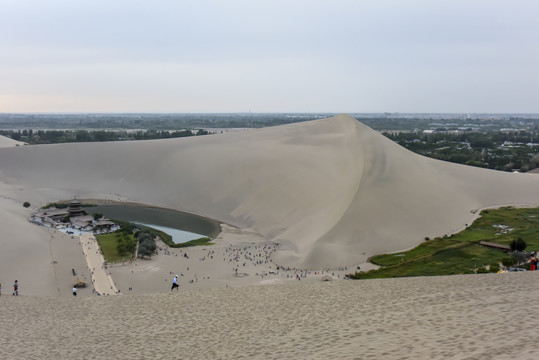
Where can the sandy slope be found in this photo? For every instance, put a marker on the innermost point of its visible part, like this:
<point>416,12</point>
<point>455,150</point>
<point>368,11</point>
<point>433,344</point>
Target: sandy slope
<point>454,317</point>
<point>331,191</point>
<point>8,142</point>
<point>403,197</point>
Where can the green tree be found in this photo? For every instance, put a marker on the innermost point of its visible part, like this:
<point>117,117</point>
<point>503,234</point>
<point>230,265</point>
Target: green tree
<point>518,245</point>
<point>145,249</point>
<point>147,245</point>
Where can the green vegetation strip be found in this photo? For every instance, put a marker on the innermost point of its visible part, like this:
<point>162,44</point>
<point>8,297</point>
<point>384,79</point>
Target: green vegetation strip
<point>461,253</point>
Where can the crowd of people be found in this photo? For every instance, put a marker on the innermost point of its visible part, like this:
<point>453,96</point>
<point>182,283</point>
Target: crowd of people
<point>243,259</point>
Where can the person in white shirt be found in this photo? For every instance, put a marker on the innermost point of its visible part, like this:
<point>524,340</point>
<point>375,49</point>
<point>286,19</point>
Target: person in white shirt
<point>175,284</point>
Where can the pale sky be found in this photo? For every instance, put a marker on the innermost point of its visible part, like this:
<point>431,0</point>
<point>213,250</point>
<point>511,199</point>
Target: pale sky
<point>269,56</point>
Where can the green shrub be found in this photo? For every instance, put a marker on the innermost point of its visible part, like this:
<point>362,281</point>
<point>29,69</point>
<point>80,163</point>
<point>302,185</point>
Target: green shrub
<point>26,204</point>
<point>519,257</point>
<point>494,268</point>
<point>508,261</point>
<point>482,270</point>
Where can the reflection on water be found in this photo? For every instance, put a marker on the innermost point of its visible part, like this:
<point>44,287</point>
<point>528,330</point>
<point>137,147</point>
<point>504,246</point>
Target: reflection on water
<point>178,236</point>
<point>172,219</point>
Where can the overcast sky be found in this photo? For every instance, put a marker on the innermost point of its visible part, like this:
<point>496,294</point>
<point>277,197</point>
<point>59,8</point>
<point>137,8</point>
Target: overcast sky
<point>269,56</point>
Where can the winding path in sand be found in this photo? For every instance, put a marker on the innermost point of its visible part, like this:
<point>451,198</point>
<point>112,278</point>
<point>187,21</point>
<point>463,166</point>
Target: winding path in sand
<point>102,281</point>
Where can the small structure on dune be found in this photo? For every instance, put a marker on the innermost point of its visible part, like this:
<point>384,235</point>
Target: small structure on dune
<point>79,283</point>
<point>495,246</point>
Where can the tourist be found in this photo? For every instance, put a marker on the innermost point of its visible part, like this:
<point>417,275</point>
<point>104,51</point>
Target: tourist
<point>16,288</point>
<point>175,284</point>
<point>74,291</point>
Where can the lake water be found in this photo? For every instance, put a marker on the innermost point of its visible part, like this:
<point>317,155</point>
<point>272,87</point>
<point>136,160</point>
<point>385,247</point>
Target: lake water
<point>178,236</point>
<point>179,225</point>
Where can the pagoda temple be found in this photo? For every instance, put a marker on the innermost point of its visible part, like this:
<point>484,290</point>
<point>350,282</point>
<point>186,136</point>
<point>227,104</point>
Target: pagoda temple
<point>75,208</point>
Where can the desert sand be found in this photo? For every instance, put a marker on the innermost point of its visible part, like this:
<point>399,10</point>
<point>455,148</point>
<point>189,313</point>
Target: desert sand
<point>298,203</point>
<point>489,316</point>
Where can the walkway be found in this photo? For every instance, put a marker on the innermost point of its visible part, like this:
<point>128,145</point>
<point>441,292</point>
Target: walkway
<point>102,281</point>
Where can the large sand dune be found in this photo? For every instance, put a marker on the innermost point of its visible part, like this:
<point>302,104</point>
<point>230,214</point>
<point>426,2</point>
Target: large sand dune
<point>331,192</point>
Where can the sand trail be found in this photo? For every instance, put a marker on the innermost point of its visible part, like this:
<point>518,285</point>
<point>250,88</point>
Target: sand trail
<point>101,278</point>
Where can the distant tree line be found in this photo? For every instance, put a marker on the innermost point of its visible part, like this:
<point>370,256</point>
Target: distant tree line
<point>64,136</point>
<point>179,121</point>
<point>506,151</point>
<point>152,121</point>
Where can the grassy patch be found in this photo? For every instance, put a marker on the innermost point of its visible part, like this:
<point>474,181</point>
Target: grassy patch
<point>118,246</point>
<point>461,253</point>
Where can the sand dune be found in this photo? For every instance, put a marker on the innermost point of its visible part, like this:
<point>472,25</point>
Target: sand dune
<point>331,191</point>
<point>454,317</point>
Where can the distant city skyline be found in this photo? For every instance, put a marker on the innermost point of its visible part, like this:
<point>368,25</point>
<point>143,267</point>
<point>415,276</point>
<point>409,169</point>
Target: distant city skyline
<point>300,56</point>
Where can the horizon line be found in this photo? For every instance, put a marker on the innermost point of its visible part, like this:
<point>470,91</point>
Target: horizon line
<point>254,113</point>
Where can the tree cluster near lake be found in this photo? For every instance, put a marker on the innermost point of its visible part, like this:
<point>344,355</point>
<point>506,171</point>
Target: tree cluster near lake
<point>121,245</point>
<point>146,242</point>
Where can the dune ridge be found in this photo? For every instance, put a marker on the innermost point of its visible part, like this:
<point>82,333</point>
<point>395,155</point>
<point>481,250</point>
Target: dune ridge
<point>404,197</point>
